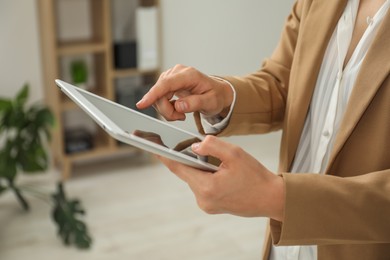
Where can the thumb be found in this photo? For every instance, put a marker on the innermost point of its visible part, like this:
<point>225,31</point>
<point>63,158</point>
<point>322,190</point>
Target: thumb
<point>189,104</point>
<point>214,146</point>
<point>205,103</point>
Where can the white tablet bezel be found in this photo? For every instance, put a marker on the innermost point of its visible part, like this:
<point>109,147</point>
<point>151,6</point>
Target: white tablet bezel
<point>120,134</point>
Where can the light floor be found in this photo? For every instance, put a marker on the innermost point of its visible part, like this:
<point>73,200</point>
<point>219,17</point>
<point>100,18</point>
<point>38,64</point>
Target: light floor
<point>135,210</point>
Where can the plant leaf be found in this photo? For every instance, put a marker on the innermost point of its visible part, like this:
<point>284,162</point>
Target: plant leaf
<point>65,214</point>
<point>15,117</point>
<point>33,158</point>
<point>45,117</point>
<point>8,166</point>
<point>5,104</point>
<point>22,95</point>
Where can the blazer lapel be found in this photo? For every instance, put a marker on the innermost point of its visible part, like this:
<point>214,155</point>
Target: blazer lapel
<point>374,69</point>
<point>317,30</point>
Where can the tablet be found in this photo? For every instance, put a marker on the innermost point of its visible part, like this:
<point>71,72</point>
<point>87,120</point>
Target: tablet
<point>137,129</point>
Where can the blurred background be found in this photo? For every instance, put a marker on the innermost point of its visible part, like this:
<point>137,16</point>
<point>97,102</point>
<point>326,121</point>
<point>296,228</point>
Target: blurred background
<point>136,209</point>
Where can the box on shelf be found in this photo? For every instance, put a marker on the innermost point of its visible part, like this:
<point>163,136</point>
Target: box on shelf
<point>78,140</point>
<point>147,37</point>
<point>125,55</point>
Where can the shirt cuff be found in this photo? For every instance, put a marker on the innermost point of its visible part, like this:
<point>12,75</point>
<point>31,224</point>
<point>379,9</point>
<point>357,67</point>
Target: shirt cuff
<point>214,124</point>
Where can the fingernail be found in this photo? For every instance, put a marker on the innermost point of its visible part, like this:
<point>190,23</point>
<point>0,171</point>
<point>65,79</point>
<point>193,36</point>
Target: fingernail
<point>195,146</point>
<point>183,106</point>
<point>141,101</point>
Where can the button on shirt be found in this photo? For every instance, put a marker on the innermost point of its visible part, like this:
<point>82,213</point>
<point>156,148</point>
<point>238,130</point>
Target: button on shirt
<point>333,88</point>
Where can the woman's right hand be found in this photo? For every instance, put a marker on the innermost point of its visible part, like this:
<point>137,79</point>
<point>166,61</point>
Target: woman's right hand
<point>194,91</point>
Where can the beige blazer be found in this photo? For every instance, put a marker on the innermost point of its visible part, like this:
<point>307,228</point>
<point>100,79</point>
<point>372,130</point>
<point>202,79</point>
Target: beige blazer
<point>346,212</point>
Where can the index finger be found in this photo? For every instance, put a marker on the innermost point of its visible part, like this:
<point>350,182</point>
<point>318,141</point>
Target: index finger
<point>166,85</point>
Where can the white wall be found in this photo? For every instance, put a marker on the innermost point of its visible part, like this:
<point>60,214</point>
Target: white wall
<point>19,48</point>
<point>219,37</point>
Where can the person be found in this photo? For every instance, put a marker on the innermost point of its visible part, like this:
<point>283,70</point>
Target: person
<point>327,86</point>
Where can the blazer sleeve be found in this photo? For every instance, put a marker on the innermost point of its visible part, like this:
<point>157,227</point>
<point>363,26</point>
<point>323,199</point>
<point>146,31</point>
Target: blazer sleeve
<point>329,210</point>
<point>261,96</point>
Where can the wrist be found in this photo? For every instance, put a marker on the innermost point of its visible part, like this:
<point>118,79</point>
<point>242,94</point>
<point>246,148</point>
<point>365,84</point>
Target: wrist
<point>229,97</point>
<point>278,199</point>
<point>227,93</point>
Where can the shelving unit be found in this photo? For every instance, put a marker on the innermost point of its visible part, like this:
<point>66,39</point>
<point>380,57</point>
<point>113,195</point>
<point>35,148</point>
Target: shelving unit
<point>99,47</point>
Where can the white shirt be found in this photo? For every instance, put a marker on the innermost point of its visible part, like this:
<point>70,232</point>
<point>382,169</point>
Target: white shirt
<point>333,88</point>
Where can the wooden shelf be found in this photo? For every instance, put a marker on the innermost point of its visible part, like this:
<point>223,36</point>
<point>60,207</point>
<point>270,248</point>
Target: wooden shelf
<point>80,47</point>
<point>68,104</point>
<point>102,151</point>
<point>97,51</point>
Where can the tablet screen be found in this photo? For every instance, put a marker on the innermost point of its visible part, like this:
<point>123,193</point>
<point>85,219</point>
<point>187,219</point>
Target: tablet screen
<point>144,126</point>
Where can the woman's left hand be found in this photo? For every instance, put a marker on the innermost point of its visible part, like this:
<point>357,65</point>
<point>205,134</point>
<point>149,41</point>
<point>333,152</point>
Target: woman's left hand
<point>242,185</point>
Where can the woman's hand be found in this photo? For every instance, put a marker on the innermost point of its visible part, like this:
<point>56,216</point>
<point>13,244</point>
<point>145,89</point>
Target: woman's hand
<point>194,92</point>
<point>242,185</point>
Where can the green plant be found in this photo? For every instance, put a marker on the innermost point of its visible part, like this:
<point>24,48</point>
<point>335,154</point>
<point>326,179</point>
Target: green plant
<point>79,71</point>
<point>24,133</point>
